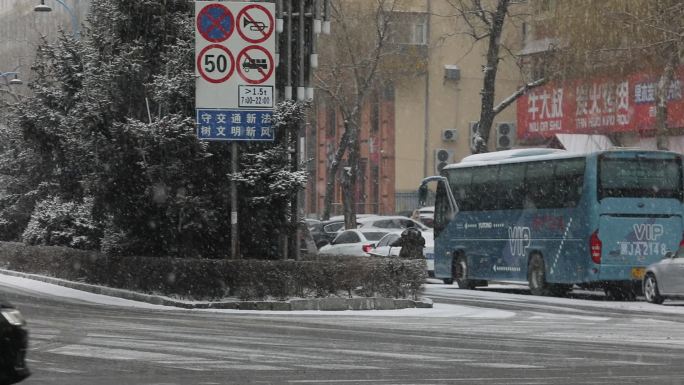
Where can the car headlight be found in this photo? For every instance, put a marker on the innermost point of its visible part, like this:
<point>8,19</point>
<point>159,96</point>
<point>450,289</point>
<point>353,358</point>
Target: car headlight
<point>13,316</point>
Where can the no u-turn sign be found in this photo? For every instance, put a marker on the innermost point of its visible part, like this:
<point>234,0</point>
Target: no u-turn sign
<point>234,65</point>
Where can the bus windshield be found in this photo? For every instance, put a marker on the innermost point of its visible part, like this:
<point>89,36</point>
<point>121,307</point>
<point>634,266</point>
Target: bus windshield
<point>640,177</point>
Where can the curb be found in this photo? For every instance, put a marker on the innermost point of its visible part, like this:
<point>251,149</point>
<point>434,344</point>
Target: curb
<point>324,304</point>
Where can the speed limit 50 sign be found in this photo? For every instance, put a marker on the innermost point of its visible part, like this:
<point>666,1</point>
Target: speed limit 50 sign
<point>234,57</point>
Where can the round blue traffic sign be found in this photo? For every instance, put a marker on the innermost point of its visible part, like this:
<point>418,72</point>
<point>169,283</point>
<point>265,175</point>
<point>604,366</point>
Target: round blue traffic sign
<point>215,23</point>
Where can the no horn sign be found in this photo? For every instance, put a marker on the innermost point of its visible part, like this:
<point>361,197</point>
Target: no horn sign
<point>255,23</point>
<point>234,47</point>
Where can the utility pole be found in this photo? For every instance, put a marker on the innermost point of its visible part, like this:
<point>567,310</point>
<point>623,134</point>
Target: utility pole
<point>298,24</point>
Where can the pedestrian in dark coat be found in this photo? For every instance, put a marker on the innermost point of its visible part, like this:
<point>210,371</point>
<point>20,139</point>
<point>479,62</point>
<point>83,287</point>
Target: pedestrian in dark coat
<point>412,244</point>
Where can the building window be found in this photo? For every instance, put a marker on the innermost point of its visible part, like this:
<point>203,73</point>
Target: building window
<point>375,188</point>
<point>331,122</point>
<point>546,6</point>
<point>375,114</point>
<point>388,92</point>
<point>409,28</point>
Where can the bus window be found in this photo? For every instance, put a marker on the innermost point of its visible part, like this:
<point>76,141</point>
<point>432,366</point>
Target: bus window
<point>459,180</point>
<point>640,177</point>
<point>568,182</point>
<point>511,186</point>
<point>483,188</point>
<point>539,185</point>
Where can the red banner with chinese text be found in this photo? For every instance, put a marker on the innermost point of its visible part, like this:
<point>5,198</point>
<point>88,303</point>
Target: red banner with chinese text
<point>597,106</point>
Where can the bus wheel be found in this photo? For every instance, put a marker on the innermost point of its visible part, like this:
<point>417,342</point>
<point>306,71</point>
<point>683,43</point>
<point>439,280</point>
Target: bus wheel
<point>536,276</point>
<point>460,272</point>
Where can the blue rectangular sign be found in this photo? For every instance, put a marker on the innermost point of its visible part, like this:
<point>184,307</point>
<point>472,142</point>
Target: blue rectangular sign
<point>244,125</point>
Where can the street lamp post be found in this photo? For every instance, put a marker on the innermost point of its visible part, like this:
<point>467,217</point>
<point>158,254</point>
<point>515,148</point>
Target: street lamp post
<point>42,7</point>
<point>11,82</point>
<point>14,81</point>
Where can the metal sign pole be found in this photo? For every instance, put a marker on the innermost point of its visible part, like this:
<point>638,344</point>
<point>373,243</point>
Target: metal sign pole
<point>234,87</point>
<point>234,230</point>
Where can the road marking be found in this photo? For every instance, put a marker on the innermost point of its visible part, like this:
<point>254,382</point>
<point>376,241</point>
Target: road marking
<point>503,365</point>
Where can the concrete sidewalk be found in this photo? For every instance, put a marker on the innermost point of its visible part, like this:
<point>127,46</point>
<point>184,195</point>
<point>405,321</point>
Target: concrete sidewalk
<point>327,304</point>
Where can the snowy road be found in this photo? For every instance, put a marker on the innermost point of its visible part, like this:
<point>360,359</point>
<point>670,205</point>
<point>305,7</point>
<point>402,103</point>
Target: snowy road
<point>470,337</point>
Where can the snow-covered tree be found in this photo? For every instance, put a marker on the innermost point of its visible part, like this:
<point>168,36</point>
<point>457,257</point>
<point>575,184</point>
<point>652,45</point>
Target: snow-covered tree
<point>110,120</point>
<point>484,21</point>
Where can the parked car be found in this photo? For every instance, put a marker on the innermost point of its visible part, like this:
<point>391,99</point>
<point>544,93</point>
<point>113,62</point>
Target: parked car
<point>665,278</point>
<point>426,215</point>
<point>384,248</point>
<point>13,345</point>
<point>353,243</point>
<point>316,230</point>
<point>341,217</point>
<point>323,232</point>
<point>390,223</point>
<point>423,211</point>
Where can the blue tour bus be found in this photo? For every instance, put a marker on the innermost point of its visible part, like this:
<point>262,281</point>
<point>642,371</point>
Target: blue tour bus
<point>554,219</point>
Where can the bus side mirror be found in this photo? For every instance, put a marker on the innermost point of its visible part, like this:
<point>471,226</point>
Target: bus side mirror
<point>422,195</point>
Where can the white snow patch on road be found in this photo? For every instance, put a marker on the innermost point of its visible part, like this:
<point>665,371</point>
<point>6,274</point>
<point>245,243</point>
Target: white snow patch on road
<point>439,310</point>
<point>453,292</point>
<point>35,286</point>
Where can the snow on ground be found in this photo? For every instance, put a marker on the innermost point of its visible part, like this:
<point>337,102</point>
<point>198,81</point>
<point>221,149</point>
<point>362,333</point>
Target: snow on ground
<point>439,310</point>
<point>40,287</point>
<point>431,291</point>
<point>491,293</point>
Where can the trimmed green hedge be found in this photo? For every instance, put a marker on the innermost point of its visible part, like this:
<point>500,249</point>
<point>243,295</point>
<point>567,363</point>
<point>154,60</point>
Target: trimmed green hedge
<point>211,279</point>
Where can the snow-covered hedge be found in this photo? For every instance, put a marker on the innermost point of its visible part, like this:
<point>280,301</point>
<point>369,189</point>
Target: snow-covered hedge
<point>56,222</point>
<point>209,279</point>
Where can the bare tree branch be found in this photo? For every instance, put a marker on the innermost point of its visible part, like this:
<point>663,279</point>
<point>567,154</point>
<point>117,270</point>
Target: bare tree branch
<point>518,93</point>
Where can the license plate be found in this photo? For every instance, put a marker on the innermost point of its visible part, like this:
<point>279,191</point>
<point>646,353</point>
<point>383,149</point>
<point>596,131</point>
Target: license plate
<point>429,256</point>
<point>638,272</point>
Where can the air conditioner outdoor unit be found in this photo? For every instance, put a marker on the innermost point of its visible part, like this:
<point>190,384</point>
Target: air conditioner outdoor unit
<point>452,72</point>
<point>443,157</point>
<point>505,135</point>
<point>450,135</point>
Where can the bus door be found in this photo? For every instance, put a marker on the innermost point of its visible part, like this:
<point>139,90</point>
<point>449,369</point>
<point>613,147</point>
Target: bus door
<point>445,210</point>
<point>640,212</point>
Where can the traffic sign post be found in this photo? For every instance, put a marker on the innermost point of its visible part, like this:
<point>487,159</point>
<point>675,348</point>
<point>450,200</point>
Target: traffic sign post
<point>234,47</point>
<point>235,79</point>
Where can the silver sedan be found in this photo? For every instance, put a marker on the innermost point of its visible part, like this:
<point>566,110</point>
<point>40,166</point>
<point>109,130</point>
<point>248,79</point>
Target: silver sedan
<point>353,243</point>
<point>665,279</point>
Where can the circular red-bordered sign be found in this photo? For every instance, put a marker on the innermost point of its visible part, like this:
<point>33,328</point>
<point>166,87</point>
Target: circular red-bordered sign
<point>215,23</point>
<point>257,26</point>
<point>255,69</point>
<point>221,63</point>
